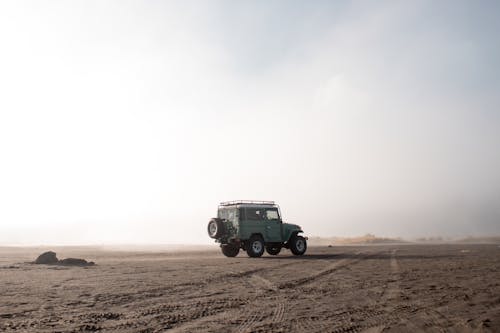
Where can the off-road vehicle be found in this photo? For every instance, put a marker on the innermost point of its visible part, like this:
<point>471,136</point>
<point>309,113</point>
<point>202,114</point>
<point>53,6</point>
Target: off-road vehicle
<point>254,226</point>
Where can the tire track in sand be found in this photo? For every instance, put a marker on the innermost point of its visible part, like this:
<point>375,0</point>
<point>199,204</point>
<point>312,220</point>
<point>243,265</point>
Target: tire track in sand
<point>391,312</point>
<point>253,311</point>
<point>308,279</point>
<point>393,289</point>
<point>279,313</point>
<point>369,319</point>
<point>390,295</point>
<point>389,301</point>
<point>256,281</point>
<point>248,323</point>
<point>328,270</point>
<point>311,325</point>
<point>264,284</point>
<point>302,324</point>
<point>281,290</point>
<point>127,298</point>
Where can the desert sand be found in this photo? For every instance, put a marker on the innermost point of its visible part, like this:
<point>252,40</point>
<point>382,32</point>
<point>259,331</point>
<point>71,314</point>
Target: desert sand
<point>390,288</point>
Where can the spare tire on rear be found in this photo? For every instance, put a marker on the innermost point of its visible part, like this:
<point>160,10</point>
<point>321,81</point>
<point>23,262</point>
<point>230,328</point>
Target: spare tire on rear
<point>215,228</point>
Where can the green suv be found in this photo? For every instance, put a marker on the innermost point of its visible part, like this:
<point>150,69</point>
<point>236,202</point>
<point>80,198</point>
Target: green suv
<point>254,226</point>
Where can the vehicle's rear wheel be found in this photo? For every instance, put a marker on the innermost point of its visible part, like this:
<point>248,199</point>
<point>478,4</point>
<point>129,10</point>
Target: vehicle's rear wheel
<point>255,246</point>
<point>273,249</point>
<point>298,245</point>
<point>215,228</point>
<point>230,250</point>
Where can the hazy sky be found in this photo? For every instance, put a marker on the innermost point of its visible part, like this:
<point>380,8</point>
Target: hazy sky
<point>128,122</point>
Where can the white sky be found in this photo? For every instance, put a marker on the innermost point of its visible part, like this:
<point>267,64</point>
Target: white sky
<point>127,122</point>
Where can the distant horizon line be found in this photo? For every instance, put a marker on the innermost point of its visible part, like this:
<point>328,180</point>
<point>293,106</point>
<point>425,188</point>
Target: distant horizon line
<point>367,236</point>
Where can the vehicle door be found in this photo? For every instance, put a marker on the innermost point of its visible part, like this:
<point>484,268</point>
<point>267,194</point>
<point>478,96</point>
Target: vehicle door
<point>273,224</point>
<point>251,221</point>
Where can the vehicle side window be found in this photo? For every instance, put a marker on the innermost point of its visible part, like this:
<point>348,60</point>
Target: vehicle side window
<point>254,214</point>
<point>227,214</point>
<point>222,214</point>
<point>272,214</point>
<point>231,215</point>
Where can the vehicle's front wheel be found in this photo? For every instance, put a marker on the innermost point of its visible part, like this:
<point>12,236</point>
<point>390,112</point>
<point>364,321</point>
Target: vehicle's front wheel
<point>230,250</point>
<point>255,247</point>
<point>298,245</point>
<point>273,249</point>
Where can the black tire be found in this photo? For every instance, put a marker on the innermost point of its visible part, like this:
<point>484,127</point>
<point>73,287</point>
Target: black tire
<point>255,246</point>
<point>273,250</point>
<point>298,245</point>
<point>215,228</point>
<point>230,250</point>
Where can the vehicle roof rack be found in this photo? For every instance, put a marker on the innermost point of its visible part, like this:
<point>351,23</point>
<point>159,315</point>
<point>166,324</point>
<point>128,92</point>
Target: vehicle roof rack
<point>248,202</point>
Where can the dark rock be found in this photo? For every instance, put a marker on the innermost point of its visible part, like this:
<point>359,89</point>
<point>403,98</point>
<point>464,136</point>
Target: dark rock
<point>47,258</point>
<point>50,258</point>
<point>75,262</point>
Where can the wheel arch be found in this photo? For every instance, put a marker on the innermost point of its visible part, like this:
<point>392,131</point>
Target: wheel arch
<point>246,241</point>
<point>250,245</point>
<point>293,233</point>
<point>257,234</point>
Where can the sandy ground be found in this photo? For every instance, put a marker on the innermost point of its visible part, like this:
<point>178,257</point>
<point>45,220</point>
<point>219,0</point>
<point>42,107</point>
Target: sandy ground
<point>393,288</point>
